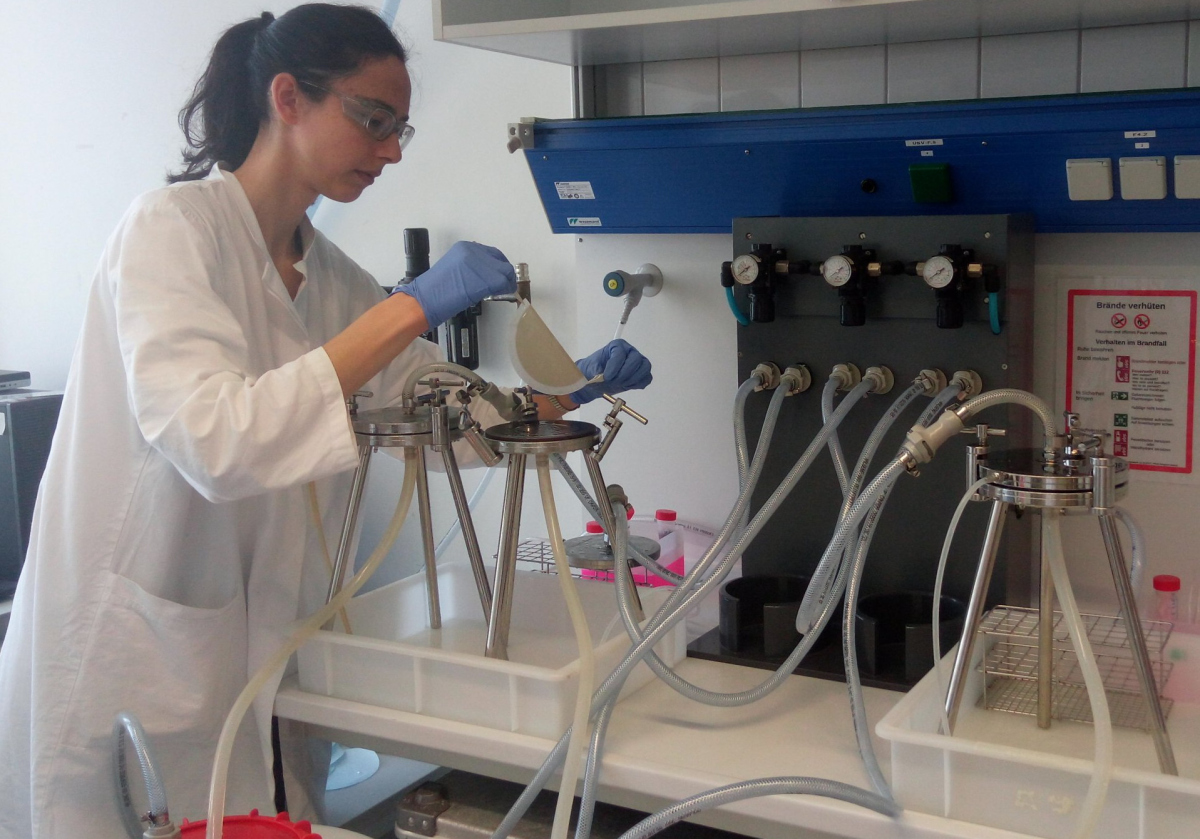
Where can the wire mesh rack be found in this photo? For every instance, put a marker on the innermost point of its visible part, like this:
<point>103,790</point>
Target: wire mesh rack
<point>1010,667</point>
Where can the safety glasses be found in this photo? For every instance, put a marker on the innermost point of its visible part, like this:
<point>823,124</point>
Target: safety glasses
<point>377,121</point>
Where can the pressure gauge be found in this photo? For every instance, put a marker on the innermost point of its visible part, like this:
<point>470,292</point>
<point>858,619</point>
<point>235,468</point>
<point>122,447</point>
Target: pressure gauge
<point>745,268</point>
<point>837,270</point>
<point>938,271</point>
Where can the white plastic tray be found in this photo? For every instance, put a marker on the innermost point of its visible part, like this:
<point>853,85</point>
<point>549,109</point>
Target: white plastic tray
<point>1001,770</point>
<point>394,660</point>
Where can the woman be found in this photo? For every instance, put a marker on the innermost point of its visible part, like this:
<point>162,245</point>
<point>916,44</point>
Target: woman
<point>171,548</point>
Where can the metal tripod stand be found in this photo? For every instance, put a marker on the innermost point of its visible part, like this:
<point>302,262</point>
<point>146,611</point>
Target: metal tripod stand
<point>437,426</point>
<point>1082,479</point>
<point>519,440</point>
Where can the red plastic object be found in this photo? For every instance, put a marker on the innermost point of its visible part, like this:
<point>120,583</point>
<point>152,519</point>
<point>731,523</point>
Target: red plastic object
<point>252,826</point>
<point>594,527</point>
<point>1166,582</point>
<point>665,515</point>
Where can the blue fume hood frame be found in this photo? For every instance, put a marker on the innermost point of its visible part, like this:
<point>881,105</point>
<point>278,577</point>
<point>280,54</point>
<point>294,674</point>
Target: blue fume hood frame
<point>696,173</point>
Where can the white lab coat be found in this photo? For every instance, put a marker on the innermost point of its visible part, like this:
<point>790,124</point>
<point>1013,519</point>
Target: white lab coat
<point>171,548</point>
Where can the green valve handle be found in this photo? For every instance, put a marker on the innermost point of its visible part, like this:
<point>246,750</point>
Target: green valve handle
<point>645,282</point>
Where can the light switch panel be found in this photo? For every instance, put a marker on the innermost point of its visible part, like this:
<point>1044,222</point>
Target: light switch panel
<point>1089,179</point>
<point>1143,178</point>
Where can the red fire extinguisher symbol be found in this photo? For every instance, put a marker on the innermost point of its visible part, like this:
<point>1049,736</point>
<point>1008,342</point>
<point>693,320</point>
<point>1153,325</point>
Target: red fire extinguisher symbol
<point>1121,443</point>
<point>1122,368</point>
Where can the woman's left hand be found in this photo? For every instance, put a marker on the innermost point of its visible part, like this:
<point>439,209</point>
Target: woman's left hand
<point>623,367</point>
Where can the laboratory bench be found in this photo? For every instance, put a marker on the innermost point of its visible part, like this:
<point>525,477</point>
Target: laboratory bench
<point>662,747</point>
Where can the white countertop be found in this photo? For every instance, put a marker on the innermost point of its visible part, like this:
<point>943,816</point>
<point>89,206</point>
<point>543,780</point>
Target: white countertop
<point>662,747</point>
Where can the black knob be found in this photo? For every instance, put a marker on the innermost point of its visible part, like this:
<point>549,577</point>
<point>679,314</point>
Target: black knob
<point>868,186</point>
<point>949,312</point>
<point>762,306</point>
<point>726,275</point>
<point>853,311</point>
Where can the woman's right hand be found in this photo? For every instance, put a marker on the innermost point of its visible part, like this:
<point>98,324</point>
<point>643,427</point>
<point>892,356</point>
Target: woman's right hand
<point>468,273</point>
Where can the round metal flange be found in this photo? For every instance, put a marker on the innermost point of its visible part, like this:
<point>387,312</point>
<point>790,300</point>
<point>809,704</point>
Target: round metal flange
<point>542,437</point>
<point>397,426</point>
<point>1025,477</point>
<point>593,553</point>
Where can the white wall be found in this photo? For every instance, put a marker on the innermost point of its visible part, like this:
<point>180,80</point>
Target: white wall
<point>690,334</point>
<point>91,94</point>
<point>95,90</point>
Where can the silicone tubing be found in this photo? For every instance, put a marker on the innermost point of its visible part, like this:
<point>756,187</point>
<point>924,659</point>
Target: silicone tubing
<point>127,725</point>
<point>585,498</point>
<point>659,626</point>
<point>858,711</point>
<point>750,789</point>
<point>938,582</point>
<point>672,610</point>
<point>755,789</point>
<point>1102,762</point>
<point>835,445</point>
<point>831,566</point>
<point>216,797</point>
<point>1137,554</point>
<point>587,658</point>
<point>739,425</point>
<point>859,475</point>
<point>1012,395</point>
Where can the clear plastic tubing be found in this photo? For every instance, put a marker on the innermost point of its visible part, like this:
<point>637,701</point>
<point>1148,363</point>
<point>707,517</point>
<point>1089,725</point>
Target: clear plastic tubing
<point>665,618</point>
<point>938,581</point>
<point>858,711</point>
<point>127,726</point>
<point>749,789</point>
<point>587,662</point>
<point>585,498</point>
<point>854,485</point>
<point>1137,554</point>
<point>741,448</point>
<point>755,789</point>
<point>835,445</point>
<point>678,683</point>
<point>1102,764</point>
<point>410,384</point>
<point>1020,397</point>
<point>216,796</point>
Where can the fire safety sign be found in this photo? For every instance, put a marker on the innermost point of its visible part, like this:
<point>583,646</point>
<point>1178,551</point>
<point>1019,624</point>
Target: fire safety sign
<point>1131,358</point>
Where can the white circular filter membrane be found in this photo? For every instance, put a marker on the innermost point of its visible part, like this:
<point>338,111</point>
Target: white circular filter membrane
<point>539,358</point>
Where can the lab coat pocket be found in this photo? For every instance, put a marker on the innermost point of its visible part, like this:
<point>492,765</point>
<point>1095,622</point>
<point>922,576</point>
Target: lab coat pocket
<point>177,668</point>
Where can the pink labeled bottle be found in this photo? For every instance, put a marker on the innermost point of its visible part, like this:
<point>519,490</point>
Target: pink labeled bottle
<point>670,540</point>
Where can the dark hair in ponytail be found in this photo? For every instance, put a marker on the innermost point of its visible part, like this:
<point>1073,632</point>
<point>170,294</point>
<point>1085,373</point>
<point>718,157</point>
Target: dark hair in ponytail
<point>316,43</point>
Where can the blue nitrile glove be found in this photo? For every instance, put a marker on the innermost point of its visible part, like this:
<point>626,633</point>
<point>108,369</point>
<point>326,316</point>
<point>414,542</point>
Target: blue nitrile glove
<point>468,273</point>
<point>624,368</point>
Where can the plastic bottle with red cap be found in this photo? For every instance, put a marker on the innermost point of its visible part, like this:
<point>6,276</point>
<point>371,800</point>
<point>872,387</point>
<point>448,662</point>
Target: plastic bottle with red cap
<point>670,541</point>
<point>1166,597</point>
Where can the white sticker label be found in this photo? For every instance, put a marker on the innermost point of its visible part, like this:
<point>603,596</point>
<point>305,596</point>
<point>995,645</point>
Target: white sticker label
<point>918,143</point>
<point>927,153</point>
<point>575,190</point>
<point>1139,135</point>
<point>583,222</point>
<point>1141,145</point>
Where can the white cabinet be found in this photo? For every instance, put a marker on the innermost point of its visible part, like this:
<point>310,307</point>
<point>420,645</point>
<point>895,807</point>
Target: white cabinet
<point>590,32</point>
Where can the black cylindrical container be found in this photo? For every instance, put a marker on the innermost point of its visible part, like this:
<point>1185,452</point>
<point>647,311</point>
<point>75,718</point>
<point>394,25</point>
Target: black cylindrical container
<point>758,616</point>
